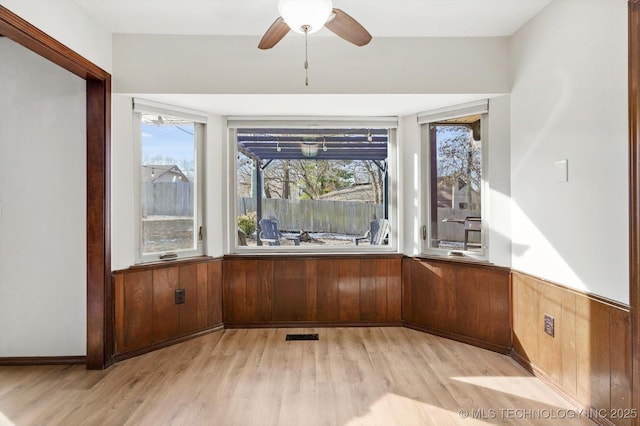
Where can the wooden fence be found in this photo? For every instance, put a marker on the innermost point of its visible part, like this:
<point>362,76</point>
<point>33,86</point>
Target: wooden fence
<point>340,217</point>
<point>167,199</point>
<point>453,231</point>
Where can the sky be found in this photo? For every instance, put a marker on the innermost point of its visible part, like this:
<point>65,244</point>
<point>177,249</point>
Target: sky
<point>172,141</point>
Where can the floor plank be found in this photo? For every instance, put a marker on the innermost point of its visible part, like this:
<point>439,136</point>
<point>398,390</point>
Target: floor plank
<point>351,376</point>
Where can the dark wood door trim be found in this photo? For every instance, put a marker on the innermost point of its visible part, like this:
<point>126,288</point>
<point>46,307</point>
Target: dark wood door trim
<point>98,119</point>
<point>22,32</point>
<point>634,196</point>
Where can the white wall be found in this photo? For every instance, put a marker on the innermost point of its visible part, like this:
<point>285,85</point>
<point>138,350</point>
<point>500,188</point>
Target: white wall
<point>410,194</point>
<point>43,205</point>
<point>569,101</point>
<point>216,178</point>
<point>69,24</point>
<point>123,210</point>
<point>498,198</point>
<point>215,64</point>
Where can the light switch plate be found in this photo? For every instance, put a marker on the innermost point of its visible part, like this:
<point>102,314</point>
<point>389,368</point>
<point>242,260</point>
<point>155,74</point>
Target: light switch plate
<point>561,171</point>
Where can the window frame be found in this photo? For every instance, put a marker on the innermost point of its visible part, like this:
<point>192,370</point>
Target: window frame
<point>389,123</point>
<point>199,120</point>
<point>425,120</point>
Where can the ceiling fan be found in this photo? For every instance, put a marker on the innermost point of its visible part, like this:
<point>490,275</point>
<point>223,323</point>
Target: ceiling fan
<point>307,17</point>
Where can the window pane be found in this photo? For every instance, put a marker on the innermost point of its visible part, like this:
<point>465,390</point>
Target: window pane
<point>168,184</point>
<point>456,175</point>
<point>312,187</point>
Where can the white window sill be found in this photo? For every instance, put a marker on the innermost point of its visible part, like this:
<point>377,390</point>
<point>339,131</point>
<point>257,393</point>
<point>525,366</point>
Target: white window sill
<point>464,258</point>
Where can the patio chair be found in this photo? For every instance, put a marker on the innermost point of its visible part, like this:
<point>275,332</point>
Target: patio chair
<point>377,234</point>
<point>270,234</point>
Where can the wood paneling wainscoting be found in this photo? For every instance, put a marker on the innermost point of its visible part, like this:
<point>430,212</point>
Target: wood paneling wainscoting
<point>589,358</point>
<point>278,291</point>
<point>459,300</point>
<point>145,312</point>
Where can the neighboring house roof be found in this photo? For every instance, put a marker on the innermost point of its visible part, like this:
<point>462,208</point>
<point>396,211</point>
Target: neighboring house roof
<point>163,173</point>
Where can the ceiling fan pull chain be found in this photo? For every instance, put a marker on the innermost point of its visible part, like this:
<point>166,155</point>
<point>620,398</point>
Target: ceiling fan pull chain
<point>306,55</point>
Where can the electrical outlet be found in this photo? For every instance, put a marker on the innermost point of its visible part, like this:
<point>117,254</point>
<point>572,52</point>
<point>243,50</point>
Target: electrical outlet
<point>549,325</point>
<point>179,296</point>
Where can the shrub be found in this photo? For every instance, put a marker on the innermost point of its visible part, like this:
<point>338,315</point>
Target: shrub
<point>247,223</point>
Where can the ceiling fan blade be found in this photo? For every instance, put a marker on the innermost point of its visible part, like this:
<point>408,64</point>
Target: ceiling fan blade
<point>274,34</point>
<point>348,28</point>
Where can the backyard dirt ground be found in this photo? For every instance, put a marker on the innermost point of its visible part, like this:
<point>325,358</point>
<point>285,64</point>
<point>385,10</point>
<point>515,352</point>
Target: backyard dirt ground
<point>316,239</point>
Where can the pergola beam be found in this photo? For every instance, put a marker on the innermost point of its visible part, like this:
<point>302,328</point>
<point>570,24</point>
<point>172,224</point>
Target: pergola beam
<point>314,144</point>
<point>312,139</point>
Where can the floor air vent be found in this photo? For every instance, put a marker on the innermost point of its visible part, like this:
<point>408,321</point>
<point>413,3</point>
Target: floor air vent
<point>302,337</point>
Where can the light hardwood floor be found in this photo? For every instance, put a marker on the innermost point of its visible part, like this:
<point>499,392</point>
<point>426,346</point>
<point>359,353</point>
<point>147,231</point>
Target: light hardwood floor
<point>351,376</point>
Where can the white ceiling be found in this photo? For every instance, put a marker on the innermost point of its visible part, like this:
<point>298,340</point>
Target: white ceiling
<point>383,18</point>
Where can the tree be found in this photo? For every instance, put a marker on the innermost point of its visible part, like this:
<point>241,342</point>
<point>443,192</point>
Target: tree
<point>313,178</point>
<point>319,177</point>
<point>376,179</point>
<point>244,176</point>
<point>277,179</point>
<point>459,158</point>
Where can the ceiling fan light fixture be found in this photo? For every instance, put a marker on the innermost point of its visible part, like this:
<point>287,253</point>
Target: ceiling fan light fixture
<point>299,14</point>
